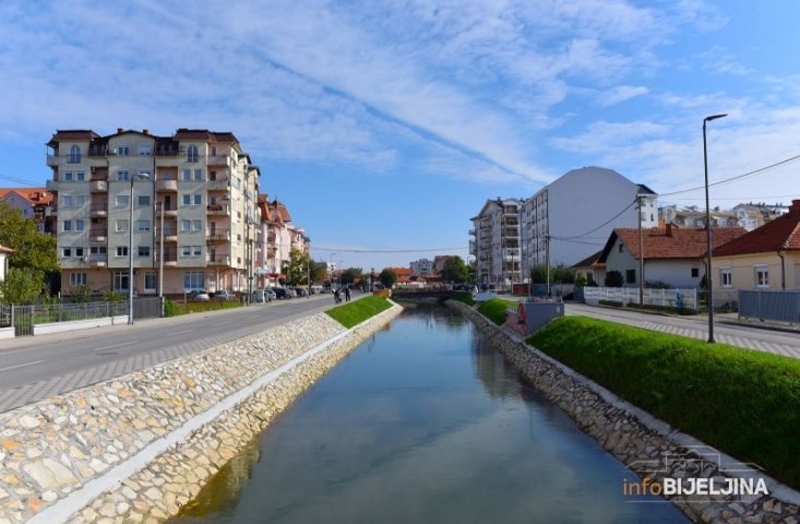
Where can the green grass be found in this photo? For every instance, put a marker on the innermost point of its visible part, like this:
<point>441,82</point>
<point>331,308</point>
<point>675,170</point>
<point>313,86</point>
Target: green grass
<point>466,298</point>
<point>495,309</point>
<point>743,402</point>
<point>353,313</point>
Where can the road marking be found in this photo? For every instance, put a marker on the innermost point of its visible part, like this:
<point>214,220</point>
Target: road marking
<point>182,332</point>
<point>22,365</point>
<point>115,346</point>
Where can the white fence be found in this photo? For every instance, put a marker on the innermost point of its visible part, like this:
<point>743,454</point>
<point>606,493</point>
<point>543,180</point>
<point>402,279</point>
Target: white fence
<point>674,298</point>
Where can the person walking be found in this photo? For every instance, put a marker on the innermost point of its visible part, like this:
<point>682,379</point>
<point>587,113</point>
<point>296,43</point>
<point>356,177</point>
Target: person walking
<point>347,293</point>
<point>336,296</point>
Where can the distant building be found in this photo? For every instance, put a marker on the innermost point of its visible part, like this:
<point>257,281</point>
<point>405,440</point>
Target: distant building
<point>423,266</point>
<point>277,237</point>
<point>496,242</point>
<point>34,203</point>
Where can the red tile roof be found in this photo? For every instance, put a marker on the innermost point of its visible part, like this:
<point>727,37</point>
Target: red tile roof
<point>672,241</point>
<point>780,234</point>
<point>34,195</point>
<point>589,261</point>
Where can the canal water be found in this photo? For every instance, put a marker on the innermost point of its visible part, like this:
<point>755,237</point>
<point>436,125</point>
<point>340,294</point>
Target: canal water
<point>423,423</point>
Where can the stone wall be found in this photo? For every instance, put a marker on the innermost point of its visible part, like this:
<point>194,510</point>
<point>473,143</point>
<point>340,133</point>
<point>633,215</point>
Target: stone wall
<point>646,445</point>
<point>139,447</point>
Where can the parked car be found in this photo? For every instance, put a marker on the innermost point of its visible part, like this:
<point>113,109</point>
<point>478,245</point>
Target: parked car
<point>199,295</point>
<point>271,294</point>
<point>261,296</point>
<point>280,292</point>
<point>224,295</point>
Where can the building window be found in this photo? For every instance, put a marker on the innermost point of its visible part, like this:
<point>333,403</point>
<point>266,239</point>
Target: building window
<point>144,200</point>
<point>66,252</point>
<point>77,279</point>
<point>695,272</point>
<point>187,199</point>
<point>186,251</point>
<point>191,154</point>
<point>98,250</point>
<point>726,277</point>
<point>123,176</point>
<point>80,200</point>
<point>80,176</point>
<point>121,280</point>
<point>121,226</point>
<point>79,252</point>
<point>198,174</point>
<point>145,150</point>
<point>193,280</point>
<point>197,251</point>
<point>630,276</point>
<point>621,246</point>
<point>67,176</point>
<point>123,150</point>
<point>762,276</point>
<point>150,281</point>
<point>144,251</point>
<point>121,200</point>
<point>197,225</point>
<point>186,174</point>
<point>66,201</point>
<point>198,200</point>
<point>143,225</point>
<point>74,155</point>
<point>122,251</point>
<point>186,226</point>
<point>79,225</point>
<point>67,225</point>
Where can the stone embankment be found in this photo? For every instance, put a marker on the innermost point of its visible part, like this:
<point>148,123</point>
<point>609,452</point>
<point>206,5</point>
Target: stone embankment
<point>649,447</point>
<point>139,447</point>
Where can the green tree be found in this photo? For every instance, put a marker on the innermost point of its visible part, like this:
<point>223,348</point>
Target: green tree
<point>319,271</point>
<point>454,270</point>
<point>351,275</point>
<point>34,256</point>
<point>388,278</point>
<point>296,268</point>
<point>539,274</point>
<point>562,274</point>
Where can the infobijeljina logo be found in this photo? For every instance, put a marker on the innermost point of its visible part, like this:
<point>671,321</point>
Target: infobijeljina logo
<point>695,475</point>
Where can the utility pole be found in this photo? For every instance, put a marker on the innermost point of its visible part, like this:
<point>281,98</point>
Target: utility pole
<point>547,259</point>
<point>161,259</point>
<point>640,197</point>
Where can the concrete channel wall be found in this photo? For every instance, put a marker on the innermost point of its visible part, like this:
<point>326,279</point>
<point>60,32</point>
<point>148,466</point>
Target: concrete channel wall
<point>646,445</point>
<point>139,447</point>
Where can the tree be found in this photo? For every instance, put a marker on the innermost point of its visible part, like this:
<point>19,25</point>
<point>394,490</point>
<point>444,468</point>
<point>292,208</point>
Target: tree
<point>539,274</point>
<point>562,274</point>
<point>614,279</point>
<point>350,275</point>
<point>296,268</point>
<point>319,271</point>
<point>455,270</point>
<point>34,256</point>
<point>388,278</point>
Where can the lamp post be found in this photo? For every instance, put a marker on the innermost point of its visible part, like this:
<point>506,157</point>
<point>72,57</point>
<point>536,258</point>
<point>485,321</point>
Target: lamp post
<point>709,278</point>
<point>130,248</point>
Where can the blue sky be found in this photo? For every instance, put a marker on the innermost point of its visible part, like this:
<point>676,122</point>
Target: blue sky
<point>384,126</point>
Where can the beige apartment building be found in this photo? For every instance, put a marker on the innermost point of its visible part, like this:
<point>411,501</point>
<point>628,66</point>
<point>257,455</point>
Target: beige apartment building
<point>181,210</point>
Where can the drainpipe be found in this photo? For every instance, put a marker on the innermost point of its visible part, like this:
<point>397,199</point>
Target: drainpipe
<point>783,270</point>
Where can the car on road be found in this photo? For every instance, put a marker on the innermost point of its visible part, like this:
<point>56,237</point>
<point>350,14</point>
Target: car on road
<point>224,295</point>
<point>271,293</point>
<point>261,296</point>
<point>281,293</point>
<point>198,295</point>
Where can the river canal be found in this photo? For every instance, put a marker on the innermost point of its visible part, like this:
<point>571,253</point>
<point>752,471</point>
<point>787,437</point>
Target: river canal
<point>423,423</point>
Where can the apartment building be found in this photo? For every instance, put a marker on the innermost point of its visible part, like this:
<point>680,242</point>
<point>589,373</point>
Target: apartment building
<point>422,266</point>
<point>496,242</point>
<point>278,236</point>
<point>179,210</point>
<point>573,216</point>
<point>748,216</point>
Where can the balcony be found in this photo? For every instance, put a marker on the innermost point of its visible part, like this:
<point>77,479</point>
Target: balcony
<point>167,186</point>
<point>219,185</point>
<point>219,236</point>
<point>219,160</point>
<point>99,211</point>
<point>218,209</point>
<point>171,211</point>
<point>98,186</point>
<point>98,261</point>
<point>51,185</point>
<point>170,234</point>
<point>218,260</point>
<point>53,160</point>
<point>98,235</point>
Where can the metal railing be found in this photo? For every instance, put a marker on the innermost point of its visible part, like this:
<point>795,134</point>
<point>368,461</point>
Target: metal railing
<point>780,306</point>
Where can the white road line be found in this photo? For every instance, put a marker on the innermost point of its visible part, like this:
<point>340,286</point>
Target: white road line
<point>115,346</point>
<point>22,365</point>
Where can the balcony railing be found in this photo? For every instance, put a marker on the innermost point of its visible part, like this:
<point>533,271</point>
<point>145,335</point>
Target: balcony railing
<point>219,236</point>
<point>218,185</point>
<point>98,210</point>
<point>218,209</point>
<point>98,260</point>
<point>219,160</point>
<point>98,235</point>
<point>218,260</point>
<point>167,185</point>
<point>170,211</point>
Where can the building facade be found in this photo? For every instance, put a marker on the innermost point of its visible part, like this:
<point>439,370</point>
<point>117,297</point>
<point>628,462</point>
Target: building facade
<point>181,210</point>
<point>277,237</point>
<point>495,243</point>
<point>573,216</point>
<point>423,266</point>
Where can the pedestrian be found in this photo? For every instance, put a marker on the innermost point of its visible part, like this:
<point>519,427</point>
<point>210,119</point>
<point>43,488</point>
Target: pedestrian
<point>336,297</point>
<point>347,293</point>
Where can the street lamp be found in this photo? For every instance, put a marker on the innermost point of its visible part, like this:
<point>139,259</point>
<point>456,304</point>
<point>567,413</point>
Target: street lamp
<point>709,279</point>
<point>143,176</point>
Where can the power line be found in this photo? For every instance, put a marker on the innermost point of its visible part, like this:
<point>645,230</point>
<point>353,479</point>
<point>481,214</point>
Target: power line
<point>19,181</point>
<point>420,250</point>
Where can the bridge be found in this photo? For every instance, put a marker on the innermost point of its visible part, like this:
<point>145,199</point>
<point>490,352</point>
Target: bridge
<point>422,293</point>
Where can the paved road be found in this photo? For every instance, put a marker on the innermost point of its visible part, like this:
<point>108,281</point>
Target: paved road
<point>34,368</point>
<point>726,329</point>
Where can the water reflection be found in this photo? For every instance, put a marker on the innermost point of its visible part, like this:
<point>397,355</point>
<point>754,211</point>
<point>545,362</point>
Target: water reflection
<point>428,425</point>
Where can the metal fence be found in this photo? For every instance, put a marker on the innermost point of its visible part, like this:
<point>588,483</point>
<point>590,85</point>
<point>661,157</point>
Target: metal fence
<point>24,318</point>
<point>781,306</point>
<point>673,298</point>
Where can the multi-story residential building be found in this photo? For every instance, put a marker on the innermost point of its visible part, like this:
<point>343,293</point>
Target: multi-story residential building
<point>278,237</point>
<point>423,266</point>
<point>748,216</point>
<point>573,216</point>
<point>496,242</point>
<point>34,203</point>
<point>180,210</point>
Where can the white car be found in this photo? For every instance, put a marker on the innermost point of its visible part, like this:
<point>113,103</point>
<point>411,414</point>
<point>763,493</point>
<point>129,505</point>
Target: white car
<point>199,295</point>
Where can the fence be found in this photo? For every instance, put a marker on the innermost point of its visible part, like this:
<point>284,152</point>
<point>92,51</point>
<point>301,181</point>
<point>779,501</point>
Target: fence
<point>675,298</point>
<point>24,318</point>
<point>781,306</point>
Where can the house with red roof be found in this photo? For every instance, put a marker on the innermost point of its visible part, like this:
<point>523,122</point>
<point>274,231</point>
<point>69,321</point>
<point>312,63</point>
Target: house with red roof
<point>673,256</point>
<point>766,258</point>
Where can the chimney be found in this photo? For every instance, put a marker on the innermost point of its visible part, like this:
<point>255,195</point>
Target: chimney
<point>145,131</point>
<point>669,229</point>
<point>795,207</point>
<point>119,130</point>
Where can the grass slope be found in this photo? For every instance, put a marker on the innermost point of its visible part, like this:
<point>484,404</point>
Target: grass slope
<point>745,403</point>
<point>353,313</point>
<point>495,309</point>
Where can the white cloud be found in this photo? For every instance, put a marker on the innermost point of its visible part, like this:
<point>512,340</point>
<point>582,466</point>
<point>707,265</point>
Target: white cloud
<point>620,94</point>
